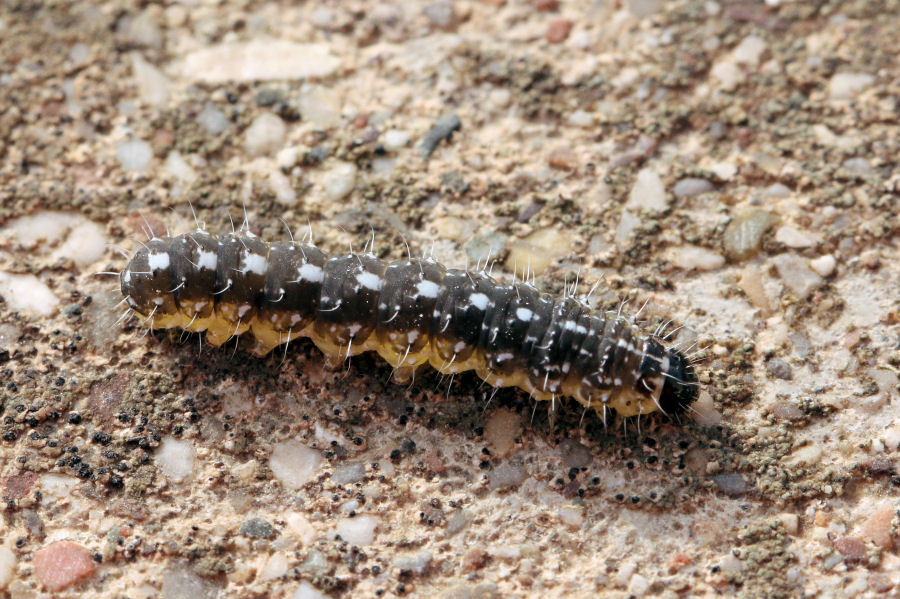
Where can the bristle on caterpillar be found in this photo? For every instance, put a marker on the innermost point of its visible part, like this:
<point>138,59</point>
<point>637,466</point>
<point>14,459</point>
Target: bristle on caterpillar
<point>410,312</point>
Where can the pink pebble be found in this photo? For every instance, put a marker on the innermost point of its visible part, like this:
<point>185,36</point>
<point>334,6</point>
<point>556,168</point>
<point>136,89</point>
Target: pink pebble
<point>61,564</point>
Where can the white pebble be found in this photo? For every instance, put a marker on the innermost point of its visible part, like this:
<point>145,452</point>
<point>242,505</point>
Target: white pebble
<point>499,97</point>
<point>691,187</point>
<point>7,566</point>
<point>275,567</point>
<point>339,180</point>
<point>359,530</point>
<point>287,157</point>
<point>691,257</point>
<point>648,192</point>
<point>322,17</point>
<point>178,167</point>
<point>320,106</point>
<point>727,72</point>
<point>846,86</point>
<point>892,438</point>
<point>859,166</point>
<point>793,238</point>
<point>212,119</point>
<point>281,187</point>
<point>134,155</point>
<point>307,591</point>
<point>293,463</point>
<point>141,30</point>
<point>27,294</point>
<point>259,60</point>
<point>301,528</point>
<point>57,486</point>
<point>581,118</point>
<point>264,135</point>
<point>85,244</point>
<point>796,274</point>
<point>175,458</point>
<point>724,170</point>
<point>749,50</point>
<point>394,139</point>
<point>777,190</point>
<point>823,265</point>
<point>627,224</point>
<point>153,85</point>
<point>638,585</point>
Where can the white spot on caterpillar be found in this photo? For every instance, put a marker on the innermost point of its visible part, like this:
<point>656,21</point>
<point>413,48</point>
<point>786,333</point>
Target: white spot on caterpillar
<point>570,325</point>
<point>370,281</point>
<point>206,260</point>
<point>479,300</point>
<point>428,289</point>
<point>243,310</point>
<point>524,314</point>
<point>311,272</point>
<point>158,261</point>
<point>127,276</point>
<point>253,263</point>
<point>504,357</point>
<point>353,329</point>
<point>460,345</point>
<point>412,336</point>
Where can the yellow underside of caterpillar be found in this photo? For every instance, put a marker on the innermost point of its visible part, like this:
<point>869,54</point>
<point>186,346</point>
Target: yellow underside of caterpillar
<point>223,325</point>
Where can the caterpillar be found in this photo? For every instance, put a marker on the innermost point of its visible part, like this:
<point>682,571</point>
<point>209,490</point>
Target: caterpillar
<point>410,312</point>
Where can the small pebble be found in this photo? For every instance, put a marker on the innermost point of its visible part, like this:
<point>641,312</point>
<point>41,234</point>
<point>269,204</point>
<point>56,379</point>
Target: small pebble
<point>558,31</point>
<point>581,118</point>
<point>180,582</point>
<point>441,14</point>
<point>359,530</point>
<point>275,567</point>
<point>350,473</point>
<point>574,454</point>
<point>257,528</point>
<point>846,86</point>
<point>850,547</point>
<point>27,294</point>
<point>793,238</point>
<point>307,591</point>
<point>62,564</point>
<point>777,190</point>
<point>692,187</point>
<point>648,192</point>
<point>442,130</point>
<point>339,180</point>
<point>779,369</point>
<point>265,135</point>
<point>178,167</point>
<point>690,257</point>
<point>537,251</point>
<point>823,265</point>
<point>563,159</point>
<point>134,155</point>
<point>320,106</point>
<point>282,188</point>
<point>263,59</point>
<point>7,566</point>
<point>501,429</point>
<point>731,484</point>
<point>140,30</point>
<point>743,235</point>
<point>877,527</point>
<point>790,522</point>
<point>153,85</point>
<point>506,476</point>
<point>859,166</point>
<point>212,119</point>
<point>293,463</point>
<point>809,455</point>
<point>749,51</point>
<point>175,458</point>
<point>417,564</point>
<point>395,139</point>
<point>796,274</point>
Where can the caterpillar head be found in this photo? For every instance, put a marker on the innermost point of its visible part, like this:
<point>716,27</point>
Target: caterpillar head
<point>679,384</point>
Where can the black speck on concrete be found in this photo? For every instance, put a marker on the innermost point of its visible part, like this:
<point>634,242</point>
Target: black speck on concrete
<point>443,129</point>
<point>257,528</point>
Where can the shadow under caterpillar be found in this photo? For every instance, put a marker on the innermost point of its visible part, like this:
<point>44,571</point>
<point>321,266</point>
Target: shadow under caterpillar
<point>409,311</point>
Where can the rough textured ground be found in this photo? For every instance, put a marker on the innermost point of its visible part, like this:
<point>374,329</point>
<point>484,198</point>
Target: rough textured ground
<point>735,163</point>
